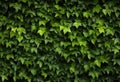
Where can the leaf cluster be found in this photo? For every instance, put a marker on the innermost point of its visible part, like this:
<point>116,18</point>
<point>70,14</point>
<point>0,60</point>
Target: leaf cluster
<point>59,41</point>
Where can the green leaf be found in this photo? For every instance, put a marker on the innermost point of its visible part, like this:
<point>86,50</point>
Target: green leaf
<point>86,67</point>
<point>68,14</point>
<point>98,63</point>
<point>10,56</point>
<point>17,6</point>
<point>74,43</point>
<point>58,7</point>
<point>44,74</point>
<point>14,30</point>
<point>33,71</point>
<point>86,34</point>
<point>4,78</point>
<point>97,8</point>
<point>19,38</point>
<point>100,22</point>
<point>86,14</point>
<point>42,22</point>
<point>12,34</point>
<point>94,74</point>
<point>65,29</point>
<point>22,60</point>
<point>77,23</point>
<point>101,29</point>
<point>116,61</point>
<point>41,31</point>
<point>90,56</point>
<point>65,55</point>
<point>33,49</point>
<point>76,79</point>
<point>39,63</point>
<point>33,27</point>
<point>104,11</point>
<point>72,68</point>
<point>110,31</point>
<point>21,30</point>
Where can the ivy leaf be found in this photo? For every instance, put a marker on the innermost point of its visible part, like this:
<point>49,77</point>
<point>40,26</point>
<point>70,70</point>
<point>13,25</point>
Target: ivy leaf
<point>10,56</point>
<point>77,23</point>
<point>86,14</point>
<point>33,71</point>
<point>65,55</point>
<point>86,67</point>
<point>116,61</point>
<point>33,27</point>
<point>98,63</point>
<point>44,74</point>
<point>17,6</point>
<point>19,38</point>
<point>97,8</point>
<point>4,78</point>
<point>117,14</point>
<point>39,63</point>
<point>100,21</point>
<point>12,34</point>
<point>93,74</point>
<point>14,30</point>
<point>41,31</point>
<point>72,68</point>
<point>86,34</point>
<point>76,79</point>
<point>42,22</point>
<point>101,29</point>
<point>58,7</point>
<point>110,31</point>
<point>33,49</point>
<point>22,60</point>
<point>106,11</point>
<point>21,30</point>
<point>65,29</point>
<point>68,14</point>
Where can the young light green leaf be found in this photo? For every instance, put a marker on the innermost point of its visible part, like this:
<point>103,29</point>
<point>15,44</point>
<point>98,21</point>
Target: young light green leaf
<point>77,23</point>
<point>72,69</point>
<point>21,30</point>
<point>19,38</point>
<point>86,14</point>
<point>65,29</point>
<point>41,31</point>
<point>101,29</point>
<point>42,22</point>
<point>98,63</point>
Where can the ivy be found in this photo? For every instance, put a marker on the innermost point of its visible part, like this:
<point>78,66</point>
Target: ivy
<point>59,41</point>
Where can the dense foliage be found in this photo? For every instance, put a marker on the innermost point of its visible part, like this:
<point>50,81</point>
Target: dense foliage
<point>59,40</point>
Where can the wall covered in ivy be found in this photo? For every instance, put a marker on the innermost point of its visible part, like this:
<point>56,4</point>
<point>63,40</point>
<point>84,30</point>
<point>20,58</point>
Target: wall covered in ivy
<point>59,40</point>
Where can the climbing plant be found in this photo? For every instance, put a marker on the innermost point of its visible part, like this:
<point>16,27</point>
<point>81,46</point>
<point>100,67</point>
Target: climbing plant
<point>59,40</point>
